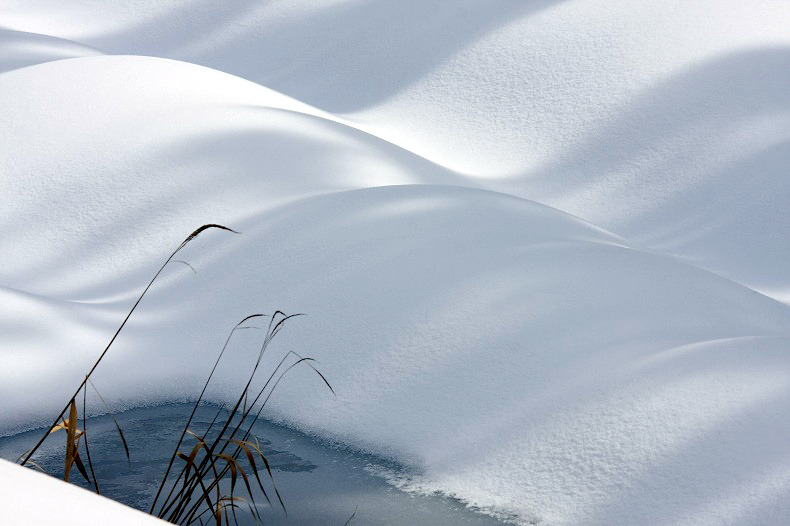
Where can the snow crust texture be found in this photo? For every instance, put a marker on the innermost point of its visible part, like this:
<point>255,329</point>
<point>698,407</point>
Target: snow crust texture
<point>542,246</point>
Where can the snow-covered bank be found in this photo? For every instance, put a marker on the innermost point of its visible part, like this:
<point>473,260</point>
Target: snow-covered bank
<point>31,499</point>
<point>516,356</point>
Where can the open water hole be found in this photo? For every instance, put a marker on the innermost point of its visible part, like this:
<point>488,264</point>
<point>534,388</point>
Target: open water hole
<point>320,484</point>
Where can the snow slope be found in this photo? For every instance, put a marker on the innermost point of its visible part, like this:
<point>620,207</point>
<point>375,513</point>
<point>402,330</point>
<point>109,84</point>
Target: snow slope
<point>661,120</point>
<point>19,49</point>
<point>43,498</point>
<point>405,173</point>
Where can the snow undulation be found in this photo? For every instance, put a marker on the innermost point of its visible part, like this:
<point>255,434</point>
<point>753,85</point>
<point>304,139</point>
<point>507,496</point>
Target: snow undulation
<point>541,245</point>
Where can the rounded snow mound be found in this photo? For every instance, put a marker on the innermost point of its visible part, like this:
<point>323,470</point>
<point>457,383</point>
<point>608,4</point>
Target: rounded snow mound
<point>143,144</point>
<point>507,353</point>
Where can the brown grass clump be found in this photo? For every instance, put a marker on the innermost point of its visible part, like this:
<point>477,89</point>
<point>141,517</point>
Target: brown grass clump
<point>196,491</point>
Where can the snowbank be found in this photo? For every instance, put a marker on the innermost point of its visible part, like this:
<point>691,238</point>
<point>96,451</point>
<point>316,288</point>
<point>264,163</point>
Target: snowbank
<point>31,498</point>
<point>523,359</point>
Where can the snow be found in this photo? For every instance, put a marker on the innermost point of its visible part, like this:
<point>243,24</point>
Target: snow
<point>31,498</point>
<point>19,49</point>
<point>541,245</point>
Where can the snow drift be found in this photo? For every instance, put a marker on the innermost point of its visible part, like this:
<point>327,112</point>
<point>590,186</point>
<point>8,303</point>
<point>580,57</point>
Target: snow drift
<point>405,175</point>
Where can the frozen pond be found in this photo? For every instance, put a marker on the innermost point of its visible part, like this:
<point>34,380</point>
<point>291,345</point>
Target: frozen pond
<point>319,484</point>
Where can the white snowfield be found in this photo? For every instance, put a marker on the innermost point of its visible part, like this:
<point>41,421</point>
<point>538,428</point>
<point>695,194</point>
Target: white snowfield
<point>542,246</point>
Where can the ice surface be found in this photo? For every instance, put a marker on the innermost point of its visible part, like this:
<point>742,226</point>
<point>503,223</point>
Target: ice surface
<point>404,173</point>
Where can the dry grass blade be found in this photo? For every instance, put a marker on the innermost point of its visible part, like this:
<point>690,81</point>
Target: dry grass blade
<point>279,325</point>
<point>252,504</point>
<point>31,462</point>
<point>205,494</point>
<point>199,438</point>
<point>202,229</point>
<point>198,479</point>
<point>230,504</point>
<point>115,421</point>
<point>85,432</point>
<point>71,434</point>
<point>257,447</point>
<point>287,370</point>
<point>63,425</point>
<point>190,460</point>
<point>214,420</point>
<point>80,465</point>
<point>251,459</point>
<point>233,470</point>
<point>192,236</point>
<point>187,264</point>
<point>319,373</point>
<point>353,515</point>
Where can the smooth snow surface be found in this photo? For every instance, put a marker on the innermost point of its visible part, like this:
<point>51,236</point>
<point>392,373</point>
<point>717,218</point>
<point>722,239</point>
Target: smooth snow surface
<point>31,499</point>
<point>542,246</point>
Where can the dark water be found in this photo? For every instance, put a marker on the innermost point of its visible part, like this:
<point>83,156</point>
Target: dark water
<point>320,485</point>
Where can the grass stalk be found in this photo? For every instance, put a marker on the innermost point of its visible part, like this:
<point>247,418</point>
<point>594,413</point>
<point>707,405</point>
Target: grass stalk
<point>184,243</point>
<point>186,501</point>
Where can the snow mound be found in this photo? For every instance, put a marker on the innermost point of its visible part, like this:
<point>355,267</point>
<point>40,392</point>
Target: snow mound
<point>663,121</point>
<point>139,143</point>
<point>598,368</point>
